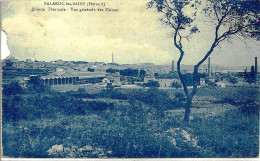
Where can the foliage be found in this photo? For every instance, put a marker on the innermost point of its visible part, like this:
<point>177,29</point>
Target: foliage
<point>91,69</point>
<point>233,80</point>
<point>152,84</point>
<point>179,96</point>
<point>127,123</point>
<point>226,134</point>
<point>156,74</point>
<point>142,73</point>
<point>167,76</point>
<point>175,85</point>
<point>228,18</point>
<point>188,79</point>
<point>8,63</point>
<point>14,88</point>
<point>212,84</point>
<point>129,72</point>
<point>250,77</point>
<point>110,70</point>
<point>35,84</point>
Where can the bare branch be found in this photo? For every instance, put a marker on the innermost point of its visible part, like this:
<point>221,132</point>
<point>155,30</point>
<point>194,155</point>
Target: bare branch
<point>216,13</point>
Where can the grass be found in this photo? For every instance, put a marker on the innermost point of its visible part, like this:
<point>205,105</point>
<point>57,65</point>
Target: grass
<point>128,123</point>
<point>234,134</point>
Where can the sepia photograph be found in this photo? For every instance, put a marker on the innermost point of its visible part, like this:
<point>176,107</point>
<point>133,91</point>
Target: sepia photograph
<point>130,79</point>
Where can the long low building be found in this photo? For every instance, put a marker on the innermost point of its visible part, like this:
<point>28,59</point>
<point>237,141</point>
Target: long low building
<point>59,80</point>
<point>62,78</point>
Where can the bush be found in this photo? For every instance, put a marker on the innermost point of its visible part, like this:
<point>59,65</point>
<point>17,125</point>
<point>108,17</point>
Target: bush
<point>14,88</point>
<point>100,106</point>
<point>176,85</point>
<point>35,85</point>
<point>232,134</point>
<point>179,96</point>
<point>152,84</point>
<point>212,84</point>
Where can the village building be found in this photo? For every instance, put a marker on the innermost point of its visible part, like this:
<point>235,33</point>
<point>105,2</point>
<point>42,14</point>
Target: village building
<point>221,84</point>
<point>19,64</point>
<point>28,61</point>
<point>37,65</point>
<point>72,77</point>
<point>202,81</point>
<point>114,79</point>
<point>149,78</point>
<point>167,82</point>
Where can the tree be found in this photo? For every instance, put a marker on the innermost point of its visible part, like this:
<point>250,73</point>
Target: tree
<point>152,84</point>
<point>35,84</point>
<point>91,69</point>
<point>110,70</point>
<point>250,78</point>
<point>14,88</point>
<point>176,85</point>
<point>129,72</point>
<point>156,74</point>
<point>8,63</point>
<point>231,79</point>
<point>229,18</point>
<point>142,73</point>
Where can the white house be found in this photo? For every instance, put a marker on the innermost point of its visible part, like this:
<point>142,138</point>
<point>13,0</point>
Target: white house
<point>105,81</point>
<point>221,84</point>
<point>149,78</point>
<point>167,82</point>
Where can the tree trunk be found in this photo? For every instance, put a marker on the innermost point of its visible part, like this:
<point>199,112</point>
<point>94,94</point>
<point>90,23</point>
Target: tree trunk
<point>187,109</point>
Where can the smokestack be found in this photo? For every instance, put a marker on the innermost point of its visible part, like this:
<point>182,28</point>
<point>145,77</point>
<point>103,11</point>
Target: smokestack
<point>172,66</point>
<point>209,71</point>
<point>112,58</point>
<point>256,70</point>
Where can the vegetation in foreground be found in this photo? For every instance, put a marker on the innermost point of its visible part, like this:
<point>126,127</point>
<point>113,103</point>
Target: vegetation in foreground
<point>127,123</point>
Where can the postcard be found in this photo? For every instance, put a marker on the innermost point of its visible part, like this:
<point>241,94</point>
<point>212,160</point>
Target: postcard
<point>130,79</point>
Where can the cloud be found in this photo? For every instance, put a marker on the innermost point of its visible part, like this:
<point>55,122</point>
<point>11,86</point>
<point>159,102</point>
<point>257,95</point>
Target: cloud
<point>86,36</point>
<point>134,34</point>
<point>4,46</point>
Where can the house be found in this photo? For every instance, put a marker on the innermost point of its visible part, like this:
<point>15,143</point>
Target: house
<point>149,78</point>
<point>221,84</point>
<point>167,82</point>
<point>202,81</point>
<point>28,61</point>
<point>37,65</point>
<point>114,79</point>
<point>13,60</point>
<point>19,64</point>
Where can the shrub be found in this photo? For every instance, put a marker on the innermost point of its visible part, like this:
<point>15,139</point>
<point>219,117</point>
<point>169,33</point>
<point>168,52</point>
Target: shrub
<point>152,84</point>
<point>232,134</point>
<point>179,96</point>
<point>176,85</point>
<point>14,88</point>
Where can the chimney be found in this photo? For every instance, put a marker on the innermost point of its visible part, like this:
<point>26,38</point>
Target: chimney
<point>112,58</point>
<point>209,71</point>
<point>172,66</point>
<point>256,70</point>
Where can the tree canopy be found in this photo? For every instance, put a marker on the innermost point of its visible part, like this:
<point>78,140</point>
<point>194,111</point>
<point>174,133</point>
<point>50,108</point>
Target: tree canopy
<point>229,19</point>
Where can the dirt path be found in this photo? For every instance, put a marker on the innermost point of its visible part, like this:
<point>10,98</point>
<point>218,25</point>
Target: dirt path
<point>206,110</point>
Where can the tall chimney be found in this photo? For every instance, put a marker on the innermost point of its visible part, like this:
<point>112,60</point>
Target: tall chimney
<point>172,66</point>
<point>112,58</point>
<point>209,71</point>
<point>256,70</point>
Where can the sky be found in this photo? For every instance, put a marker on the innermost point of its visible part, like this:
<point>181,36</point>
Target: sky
<point>134,34</point>
<point>5,52</point>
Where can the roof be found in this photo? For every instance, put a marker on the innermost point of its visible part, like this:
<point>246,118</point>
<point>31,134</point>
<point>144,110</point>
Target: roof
<point>81,75</point>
